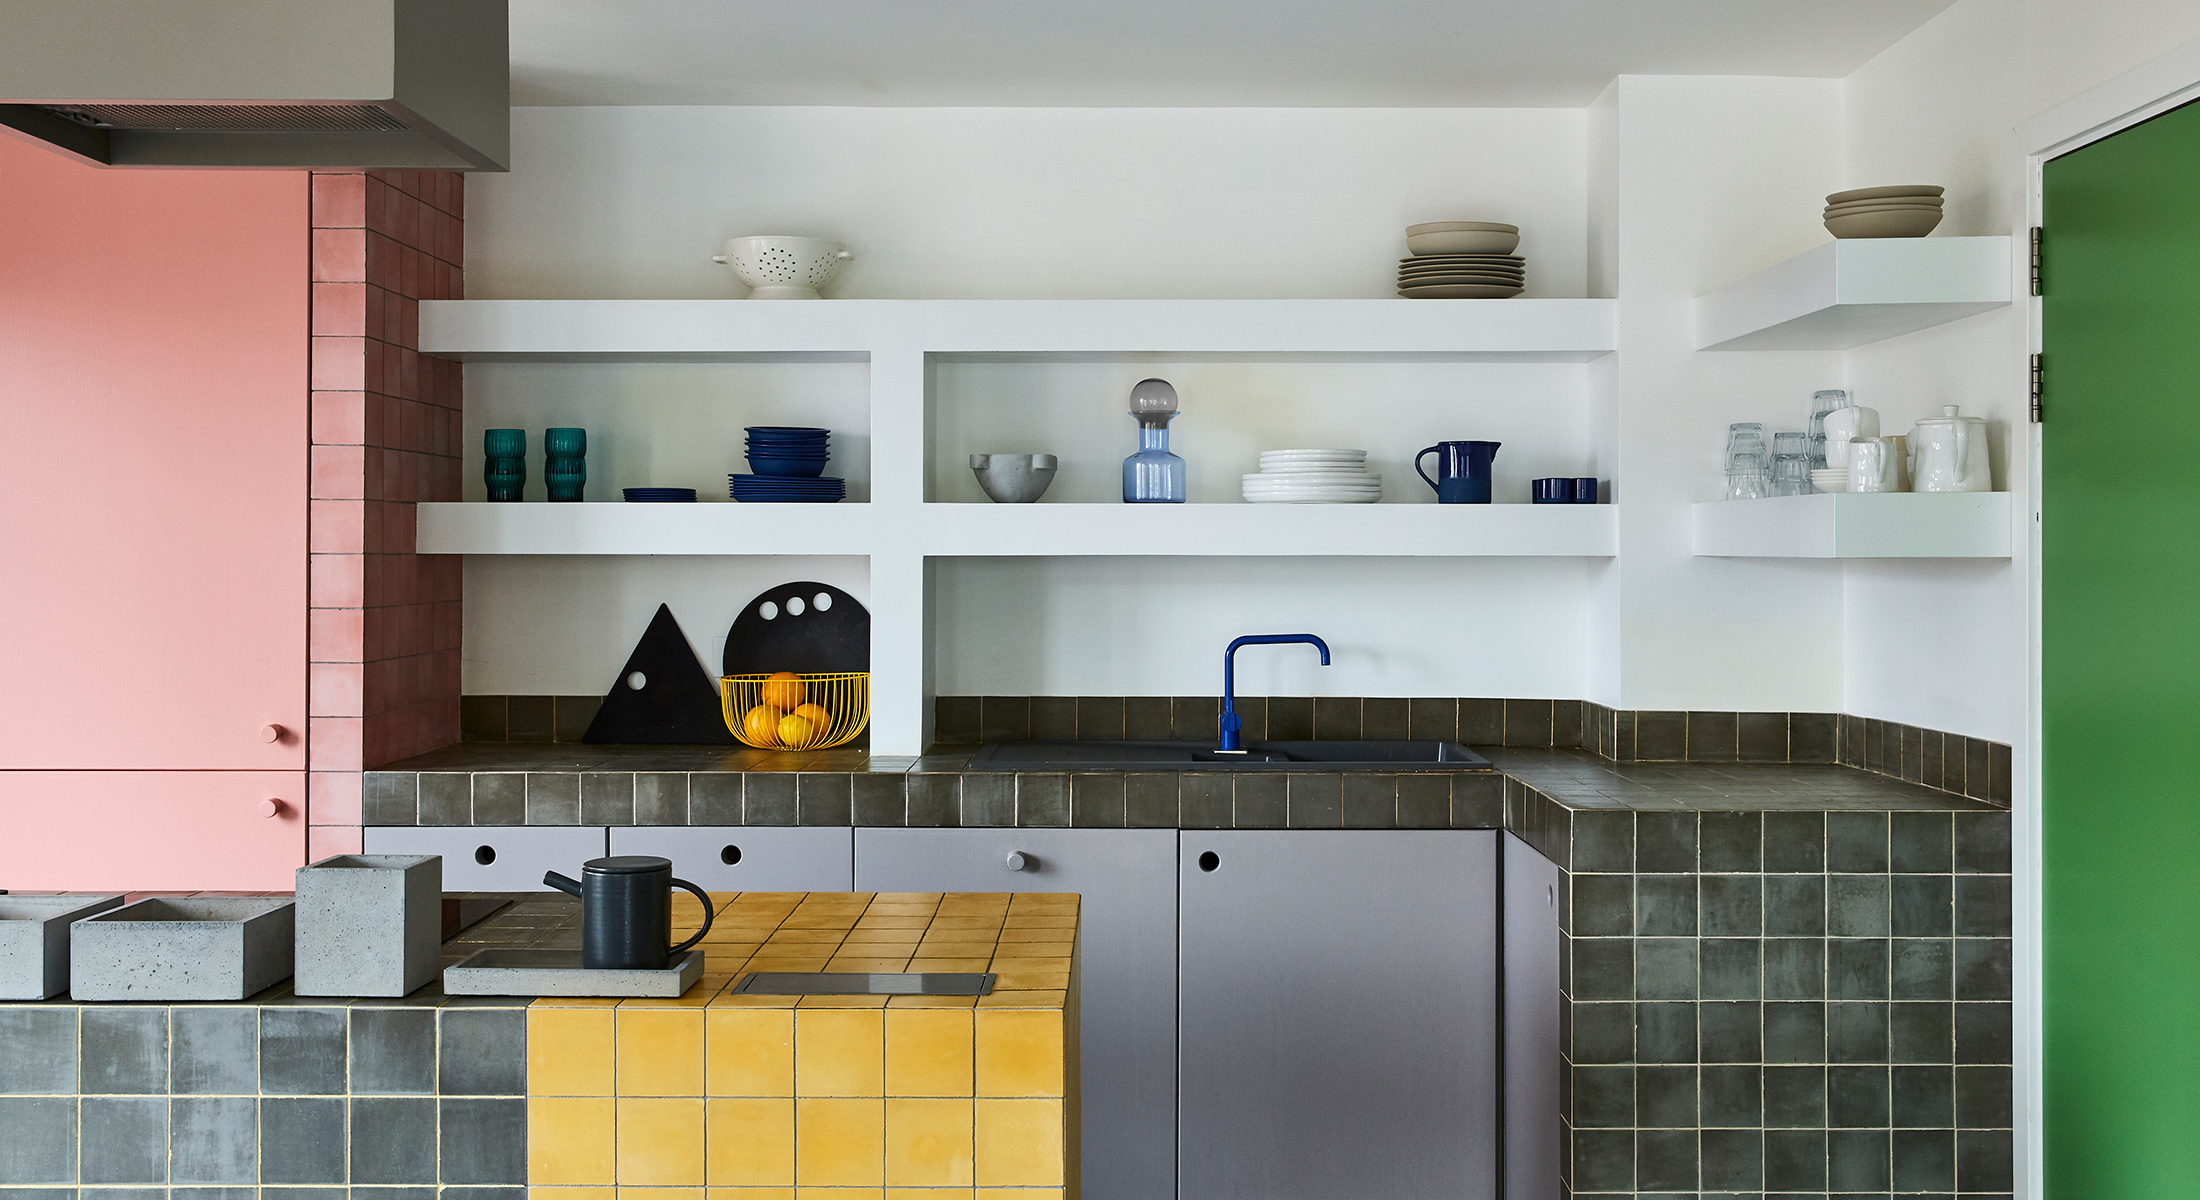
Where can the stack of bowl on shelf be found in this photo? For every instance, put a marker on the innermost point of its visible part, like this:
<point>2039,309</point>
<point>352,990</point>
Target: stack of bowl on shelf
<point>1462,260</point>
<point>504,463</point>
<point>659,495</point>
<point>565,463</point>
<point>1313,477</point>
<point>789,461</point>
<point>1906,210</point>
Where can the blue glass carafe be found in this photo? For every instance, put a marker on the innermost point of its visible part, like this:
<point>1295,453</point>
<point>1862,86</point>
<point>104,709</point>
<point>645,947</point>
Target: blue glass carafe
<point>1153,475</point>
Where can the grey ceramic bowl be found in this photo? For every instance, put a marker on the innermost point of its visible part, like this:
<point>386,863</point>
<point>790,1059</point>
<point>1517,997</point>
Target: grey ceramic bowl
<point>1013,478</point>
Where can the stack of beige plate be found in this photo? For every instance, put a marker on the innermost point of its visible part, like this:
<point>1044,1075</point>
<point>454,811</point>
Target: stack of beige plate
<point>1462,260</point>
<point>1910,210</point>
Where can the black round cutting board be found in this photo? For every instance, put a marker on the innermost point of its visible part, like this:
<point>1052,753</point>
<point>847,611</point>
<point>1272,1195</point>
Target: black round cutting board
<point>811,629</point>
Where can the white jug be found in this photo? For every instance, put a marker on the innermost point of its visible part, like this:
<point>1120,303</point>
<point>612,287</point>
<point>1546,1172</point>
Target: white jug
<point>1948,454</point>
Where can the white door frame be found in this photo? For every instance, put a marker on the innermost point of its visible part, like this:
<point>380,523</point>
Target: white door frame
<point>2139,94</point>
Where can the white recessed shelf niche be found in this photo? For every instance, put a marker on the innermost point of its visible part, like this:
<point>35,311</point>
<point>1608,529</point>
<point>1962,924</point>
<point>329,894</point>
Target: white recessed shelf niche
<point>1854,291</point>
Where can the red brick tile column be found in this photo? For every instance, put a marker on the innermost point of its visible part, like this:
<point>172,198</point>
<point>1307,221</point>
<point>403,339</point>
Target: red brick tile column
<point>384,631</point>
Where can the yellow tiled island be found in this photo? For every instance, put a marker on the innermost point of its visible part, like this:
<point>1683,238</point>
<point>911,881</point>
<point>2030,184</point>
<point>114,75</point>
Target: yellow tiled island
<point>823,1097</point>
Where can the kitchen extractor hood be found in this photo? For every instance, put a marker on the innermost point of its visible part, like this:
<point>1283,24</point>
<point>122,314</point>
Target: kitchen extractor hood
<point>261,83</point>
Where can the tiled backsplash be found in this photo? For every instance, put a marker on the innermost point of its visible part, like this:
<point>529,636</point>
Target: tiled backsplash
<point>526,718</point>
<point>1951,762</point>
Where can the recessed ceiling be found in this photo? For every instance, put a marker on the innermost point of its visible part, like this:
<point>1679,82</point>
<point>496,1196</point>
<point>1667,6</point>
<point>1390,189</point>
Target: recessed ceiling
<point>1172,53</point>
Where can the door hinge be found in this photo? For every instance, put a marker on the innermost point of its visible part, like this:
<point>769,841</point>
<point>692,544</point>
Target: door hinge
<point>2039,389</point>
<point>2036,288</point>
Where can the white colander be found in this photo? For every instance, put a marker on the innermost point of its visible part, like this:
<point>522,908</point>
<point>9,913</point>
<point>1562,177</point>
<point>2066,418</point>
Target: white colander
<point>784,268</point>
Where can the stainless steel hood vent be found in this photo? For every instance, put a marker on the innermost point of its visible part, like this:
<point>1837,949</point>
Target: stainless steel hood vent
<point>261,83</point>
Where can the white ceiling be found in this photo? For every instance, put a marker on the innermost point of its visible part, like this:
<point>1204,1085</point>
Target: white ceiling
<point>1172,53</point>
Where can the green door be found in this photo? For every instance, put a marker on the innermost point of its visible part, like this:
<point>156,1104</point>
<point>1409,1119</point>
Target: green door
<point>2120,629</point>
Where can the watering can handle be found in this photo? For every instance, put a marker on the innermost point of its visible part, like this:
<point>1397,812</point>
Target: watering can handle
<point>1424,474</point>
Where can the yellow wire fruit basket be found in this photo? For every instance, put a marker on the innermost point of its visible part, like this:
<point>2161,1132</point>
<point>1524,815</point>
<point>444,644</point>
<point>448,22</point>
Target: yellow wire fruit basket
<point>787,711</point>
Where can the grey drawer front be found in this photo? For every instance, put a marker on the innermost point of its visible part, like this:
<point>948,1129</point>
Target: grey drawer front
<point>1338,1015</point>
<point>518,854</point>
<point>1127,970</point>
<point>775,859</point>
<point>1532,1143</point>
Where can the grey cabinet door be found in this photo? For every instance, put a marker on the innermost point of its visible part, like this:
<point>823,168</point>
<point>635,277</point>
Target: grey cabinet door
<point>1337,1010</point>
<point>748,858</point>
<point>1532,1063</point>
<point>504,858</point>
<point>1127,970</point>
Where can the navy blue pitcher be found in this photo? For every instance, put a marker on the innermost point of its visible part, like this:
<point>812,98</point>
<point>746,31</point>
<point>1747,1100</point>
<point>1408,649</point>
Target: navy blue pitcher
<point>1462,471</point>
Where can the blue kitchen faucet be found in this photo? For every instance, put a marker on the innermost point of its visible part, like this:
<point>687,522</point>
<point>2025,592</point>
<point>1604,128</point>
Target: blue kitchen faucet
<point>1230,721</point>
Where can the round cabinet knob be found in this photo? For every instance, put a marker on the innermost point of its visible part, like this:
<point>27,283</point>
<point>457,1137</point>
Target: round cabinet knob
<point>271,733</point>
<point>1020,861</point>
<point>270,808</point>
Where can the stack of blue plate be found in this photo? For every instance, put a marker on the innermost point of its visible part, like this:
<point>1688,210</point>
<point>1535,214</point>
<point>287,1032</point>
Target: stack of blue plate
<point>658,495</point>
<point>784,489</point>
<point>788,450</point>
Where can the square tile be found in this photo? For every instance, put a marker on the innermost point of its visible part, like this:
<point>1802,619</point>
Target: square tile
<point>1665,1158</point>
<point>1921,1032</point>
<point>1042,801</point>
<point>660,798</point>
<point>302,1051</point>
<point>1795,1160</point>
<point>1856,1032</point>
<point>1665,968</point>
<point>572,1141</point>
<point>1924,1160</point>
<point>1477,802</point>
<point>989,800</point>
<point>1924,1097</point>
<point>1432,719</point>
<point>393,1051</point>
<point>1922,905</point>
<point>1795,905</point>
<point>1728,1097</point>
<point>1763,737</point>
<point>841,1142</point>
<point>124,1139</point>
<point>1316,801</point>
<point>1481,721</point>
<point>1019,1052</point>
<point>1665,1097</point>
<point>1665,905</point>
<point>607,798</point>
<point>661,1142</point>
<point>42,1133</point>
<point>1020,1143</point>
<point>1604,1097</point>
<point>1858,1160</point>
<point>1290,719</point>
<point>38,1049</point>
<point>1920,843</point>
<point>935,801</point>
<point>1337,718</point>
<point>1730,905</point>
<point>485,1141</point>
<point>1920,969</point>
<point>929,1052</point>
<point>880,799</point>
<point>302,1140</point>
<point>660,1051</point>
<point>840,1052</point>
<point>1424,801</point>
<point>1054,718</point>
<point>1795,1097</point>
<point>213,1140</point>
<point>500,798</point>
<point>554,798</point>
<point>1732,1031</point>
<point>393,1140</point>
<point>1603,1033</point>
<point>930,1143</point>
<point>1856,969</point>
<point>1982,969</point>
<point>570,1051</point>
<point>1370,801</point>
<point>1665,1032</point>
<point>214,1051</point>
<point>1604,1160</point>
<point>1856,1096</point>
<point>1983,1096</point>
<point>1713,736</point>
<point>1856,905</point>
<point>1856,842</point>
<point>446,798</point>
<point>483,1052</point>
<point>714,797</point>
<point>1731,841</point>
<point>1604,905</point>
<point>1982,906</point>
<point>1732,1160</point>
<point>825,798</point>
<point>749,1052</point>
<point>1795,1032</point>
<point>124,1051</point>
<point>750,1143</point>
<point>1665,841</point>
<point>1985,1160</point>
<point>1732,969</point>
<point>1795,841</point>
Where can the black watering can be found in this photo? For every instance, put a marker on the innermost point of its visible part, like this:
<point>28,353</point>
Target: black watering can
<point>626,911</point>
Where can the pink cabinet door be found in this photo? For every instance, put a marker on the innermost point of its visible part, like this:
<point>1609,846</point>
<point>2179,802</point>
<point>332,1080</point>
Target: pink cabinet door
<point>153,384</point>
<point>151,831</point>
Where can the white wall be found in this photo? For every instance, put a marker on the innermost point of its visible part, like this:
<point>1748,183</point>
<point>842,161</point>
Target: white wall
<point>943,203</point>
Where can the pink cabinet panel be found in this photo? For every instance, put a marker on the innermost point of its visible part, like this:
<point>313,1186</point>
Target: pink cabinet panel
<point>147,831</point>
<point>153,473</point>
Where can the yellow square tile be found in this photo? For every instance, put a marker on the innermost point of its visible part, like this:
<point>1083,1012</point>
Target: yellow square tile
<point>928,1050</point>
<point>923,962</point>
<point>933,1002</point>
<point>572,1193</point>
<point>661,1142</point>
<point>1019,1143</point>
<point>569,1051</point>
<point>1028,980</point>
<point>660,1193</point>
<point>750,1051</point>
<point>930,898</point>
<point>660,1052</point>
<point>730,999</point>
<point>751,1142</point>
<point>959,947</point>
<point>840,1143</point>
<point>787,937</point>
<point>749,1193</point>
<point>894,1193</point>
<point>929,1143</point>
<point>839,1193</point>
<point>1039,949</point>
<point>1019,1052</point>
<point>571,1141</point>
<point>840,1051</point>
<point>842,1002</point>
<point>1036,999</point>
<point>867,933</point>
<point>1018,1194</point>
<point>907,921</point>
<point>946,922</point>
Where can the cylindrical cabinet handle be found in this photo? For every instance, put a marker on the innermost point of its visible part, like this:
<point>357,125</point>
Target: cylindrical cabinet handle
<point>1020,861</point>
<point>271,733</point>
<point>270,808</point>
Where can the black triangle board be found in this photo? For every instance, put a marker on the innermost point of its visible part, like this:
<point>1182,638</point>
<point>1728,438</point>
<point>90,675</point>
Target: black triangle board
<point>812,629</point>
<point>677,704</point>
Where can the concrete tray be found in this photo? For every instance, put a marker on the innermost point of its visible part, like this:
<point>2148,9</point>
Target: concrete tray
<point>559,973</point>
<point>368,924</point>
<point>182,948</point>
<point>34,942</point>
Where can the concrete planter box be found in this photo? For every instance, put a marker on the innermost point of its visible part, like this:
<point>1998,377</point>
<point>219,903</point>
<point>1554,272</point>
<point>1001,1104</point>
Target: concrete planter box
<point>368,924</point>
<point>182,948</point>
<point>34,942</point>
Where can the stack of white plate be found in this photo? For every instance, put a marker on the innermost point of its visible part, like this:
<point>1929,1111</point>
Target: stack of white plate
<point>1313,477</point>
<point>1830,480</point>
<point>1462,260</point>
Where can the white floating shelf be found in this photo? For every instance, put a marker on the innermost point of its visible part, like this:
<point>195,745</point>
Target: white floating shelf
<point>1020,530</point>
<point>1882,525</point>
<point>746,330</point>
<point>1850,292</point>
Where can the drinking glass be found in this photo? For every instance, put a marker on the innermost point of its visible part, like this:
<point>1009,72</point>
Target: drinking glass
<point>1747,485</point>
<point>1791,474</point>
<point>1821,403</point>
<point>1745,447</point>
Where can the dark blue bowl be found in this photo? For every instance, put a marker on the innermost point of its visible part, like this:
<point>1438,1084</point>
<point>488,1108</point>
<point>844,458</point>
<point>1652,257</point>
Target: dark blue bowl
<point>785,467</point>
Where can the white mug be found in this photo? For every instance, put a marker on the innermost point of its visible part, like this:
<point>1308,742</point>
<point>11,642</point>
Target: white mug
<point>1871,466</point>
<point>1844,425</point>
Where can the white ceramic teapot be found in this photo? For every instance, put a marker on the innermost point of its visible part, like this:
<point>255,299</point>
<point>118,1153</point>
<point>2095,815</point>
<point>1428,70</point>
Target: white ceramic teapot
<point>1948,454</point>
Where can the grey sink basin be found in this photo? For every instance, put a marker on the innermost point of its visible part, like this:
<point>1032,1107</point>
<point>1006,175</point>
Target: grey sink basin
<point>1204,756</point>
<point>34,942</point>
<point>182,948</point>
